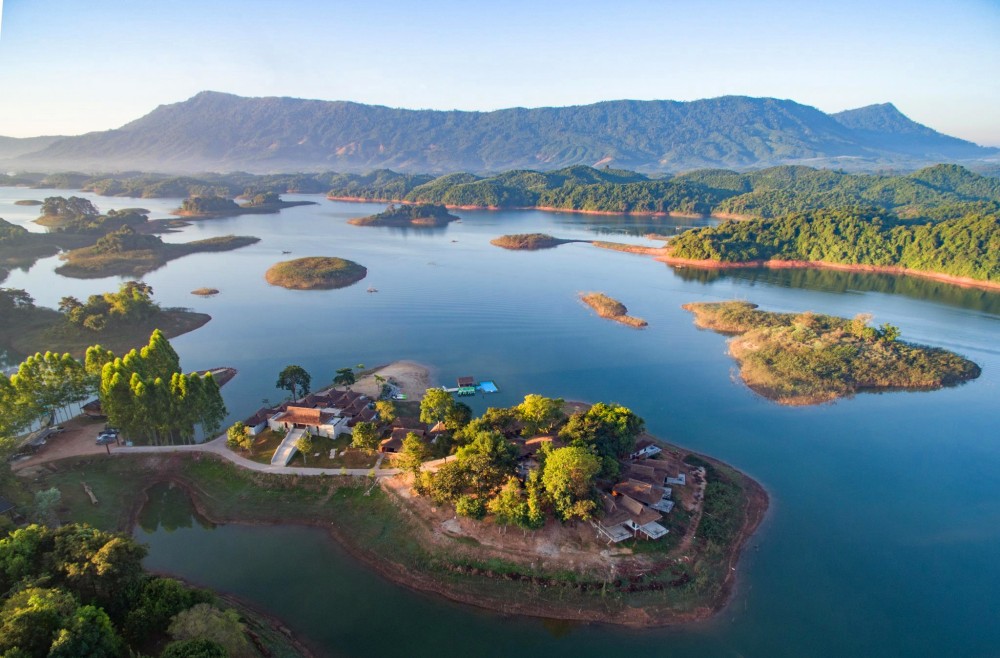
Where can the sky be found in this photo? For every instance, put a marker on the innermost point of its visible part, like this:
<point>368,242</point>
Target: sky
<point>71,66</point>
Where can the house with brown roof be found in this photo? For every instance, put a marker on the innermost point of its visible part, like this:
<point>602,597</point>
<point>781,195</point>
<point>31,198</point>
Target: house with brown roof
<point>321,422</point>
<point>395,441</point>
<point>656,497</point>
<point>625,517</point>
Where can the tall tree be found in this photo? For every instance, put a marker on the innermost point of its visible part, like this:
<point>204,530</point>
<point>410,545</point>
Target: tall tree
<point>344,377</point>
<point>540,414</point>
<point>568,478</point>
<point>435,405</point>
<point>365,436</point>
<point>295,380</point>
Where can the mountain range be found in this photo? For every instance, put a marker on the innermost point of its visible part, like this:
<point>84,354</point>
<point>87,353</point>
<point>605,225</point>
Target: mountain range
<point>214,131</point>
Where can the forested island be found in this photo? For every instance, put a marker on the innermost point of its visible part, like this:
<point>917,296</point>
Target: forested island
<point>965,250</point>
<point>808,358</point>
<point>209,207</point>
<point>119,320</point>
<point>315,273</point>
<point>528,241</point>
<point>421,214</point>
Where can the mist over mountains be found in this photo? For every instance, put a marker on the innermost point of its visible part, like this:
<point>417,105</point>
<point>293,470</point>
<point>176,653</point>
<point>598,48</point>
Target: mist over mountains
<point>222,132</point>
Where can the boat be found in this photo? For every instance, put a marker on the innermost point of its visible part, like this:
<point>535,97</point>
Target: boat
<point>373,290</point>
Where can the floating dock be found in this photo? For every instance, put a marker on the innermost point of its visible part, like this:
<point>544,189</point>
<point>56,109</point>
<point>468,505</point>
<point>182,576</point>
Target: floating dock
<point>466,387</point>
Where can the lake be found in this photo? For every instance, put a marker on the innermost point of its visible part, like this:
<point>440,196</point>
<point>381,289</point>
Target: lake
<point>884,527</point>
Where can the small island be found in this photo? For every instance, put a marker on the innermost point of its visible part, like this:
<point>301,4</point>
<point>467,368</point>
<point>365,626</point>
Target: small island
<point>28,202</point>
<point>807,358</point>
<point>127,253</point>
<point>205,292</point>
<point>612,309</point>
<point>423,214</point>
<point>315,273</point>
<point>528,241</point>
<point>212,207</point>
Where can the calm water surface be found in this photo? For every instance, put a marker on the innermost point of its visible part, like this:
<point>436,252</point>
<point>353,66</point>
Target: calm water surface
<point>884,530</point>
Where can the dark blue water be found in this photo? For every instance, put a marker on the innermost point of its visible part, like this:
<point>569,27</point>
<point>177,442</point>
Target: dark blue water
<point>884,529</point>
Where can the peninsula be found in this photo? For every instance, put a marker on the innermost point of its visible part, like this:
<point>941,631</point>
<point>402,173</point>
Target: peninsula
<point>315,273</point>
<point>807,358</point>
<point>119,320</point>
<point>127,253</point>
<point>423,214</point>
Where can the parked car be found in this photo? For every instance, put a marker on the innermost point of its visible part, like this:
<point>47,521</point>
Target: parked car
<point>107,437</point>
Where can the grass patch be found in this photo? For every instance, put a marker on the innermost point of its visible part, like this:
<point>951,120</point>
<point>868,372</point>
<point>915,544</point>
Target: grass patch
<point>315,273</point>
<point>528,241</point>
<point>611,308</point>
<point>347,457</point>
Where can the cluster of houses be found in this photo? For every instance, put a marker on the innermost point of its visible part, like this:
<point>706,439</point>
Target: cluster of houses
<point>333,413</point>
<point>633,507</point>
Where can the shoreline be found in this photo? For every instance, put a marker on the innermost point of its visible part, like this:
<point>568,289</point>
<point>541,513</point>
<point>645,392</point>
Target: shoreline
<point>469,593</point>
<point>474,586</point>
<point>647,213</point>
<point>962,281</point>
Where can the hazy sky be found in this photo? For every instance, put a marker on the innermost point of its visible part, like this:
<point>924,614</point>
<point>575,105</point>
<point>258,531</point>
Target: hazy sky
<point>72,66</point>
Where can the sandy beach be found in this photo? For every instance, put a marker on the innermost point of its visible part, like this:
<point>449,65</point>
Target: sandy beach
<point>412,378</point>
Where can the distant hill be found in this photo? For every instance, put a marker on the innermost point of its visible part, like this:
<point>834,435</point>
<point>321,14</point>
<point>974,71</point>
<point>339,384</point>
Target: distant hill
<point>218,132</point>
<point>12,147</point>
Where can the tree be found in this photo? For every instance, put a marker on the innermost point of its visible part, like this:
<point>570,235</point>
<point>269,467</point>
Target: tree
<point>413,454</point>
<point>610,430</point>
<point>510,505</point>
<point>294,378</point>
<point>540,414</point>
<point>88,632</point>
<point>457,417</point>
<point>238,437</point>
<point>888,333</point>
<point>46,503</point>
<point>156,602</point>
<point>304,444</point>
<point>494,446</point>
<point>197,648</point>
<point>344,377</point>
<point>365,436</point>
<point>205,621</point>
<point>470,506</point>
<point>15,299</point>
<point>31,618</point>
<point>568,479</point>
<point>386,410</point>
<point>435,405</point>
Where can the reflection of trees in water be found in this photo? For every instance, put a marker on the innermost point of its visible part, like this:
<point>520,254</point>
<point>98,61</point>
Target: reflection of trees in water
<point>635,225</point>
<point>838,281</point>
<point>169,507</point>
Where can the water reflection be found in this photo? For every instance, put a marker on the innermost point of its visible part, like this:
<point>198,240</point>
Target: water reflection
<point>168,507</point>
<point>853,282</point>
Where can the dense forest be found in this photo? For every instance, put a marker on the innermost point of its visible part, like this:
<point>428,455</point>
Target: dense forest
<point>76,591</point>
<point>968,246</point>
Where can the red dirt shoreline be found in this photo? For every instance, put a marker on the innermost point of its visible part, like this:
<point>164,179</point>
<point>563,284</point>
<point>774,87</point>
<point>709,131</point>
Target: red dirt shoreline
<point>672,213</point>
<point>707,264</point>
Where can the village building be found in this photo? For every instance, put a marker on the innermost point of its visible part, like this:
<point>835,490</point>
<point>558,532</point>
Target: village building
<point>625,518</point>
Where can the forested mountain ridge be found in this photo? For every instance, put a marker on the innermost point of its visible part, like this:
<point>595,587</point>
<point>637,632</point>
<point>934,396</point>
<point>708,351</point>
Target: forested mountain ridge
<point>215,131</point>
